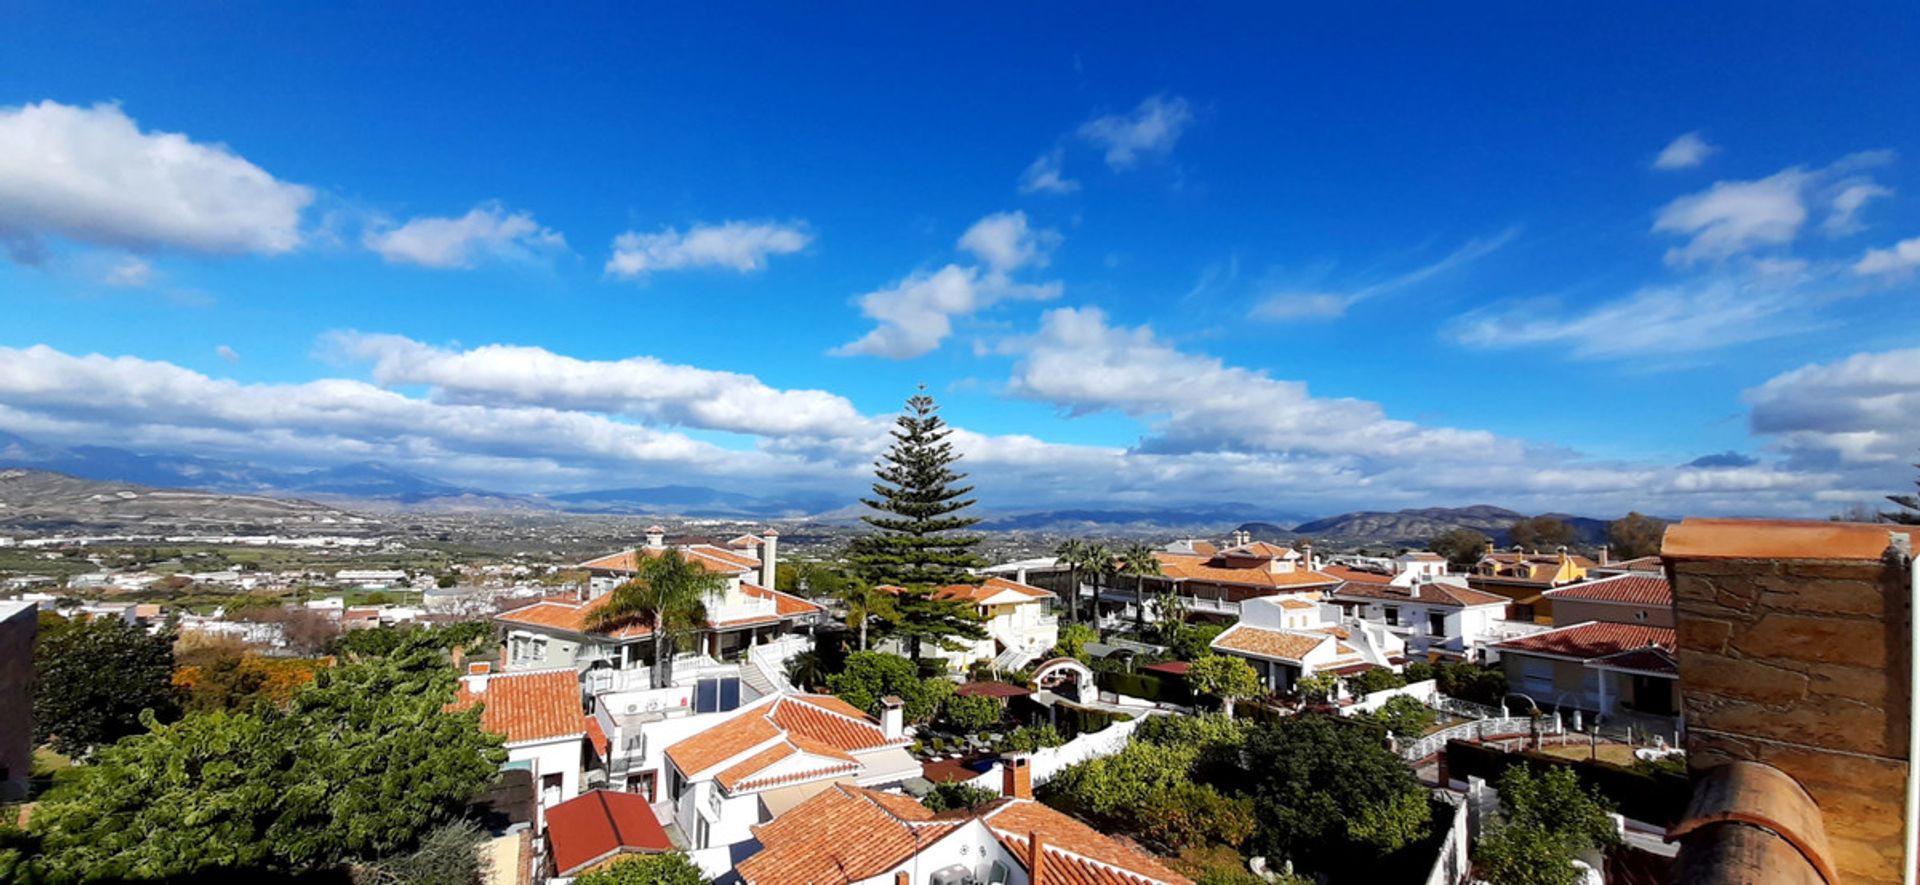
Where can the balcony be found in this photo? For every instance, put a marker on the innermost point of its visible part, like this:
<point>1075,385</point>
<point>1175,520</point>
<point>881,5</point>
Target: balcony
<point>748,610</point>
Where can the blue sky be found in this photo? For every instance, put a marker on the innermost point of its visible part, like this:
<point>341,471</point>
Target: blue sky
<point>1525,257</point>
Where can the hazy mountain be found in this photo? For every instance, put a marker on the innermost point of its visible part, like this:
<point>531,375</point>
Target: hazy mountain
<point>38,501</point>
<point>1205,520</point>
<point>1412,528</point>
<point>700,501</point>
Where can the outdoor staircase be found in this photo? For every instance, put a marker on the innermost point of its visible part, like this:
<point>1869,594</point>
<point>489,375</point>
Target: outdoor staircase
<point>753,677</point>
<point>1016,656</point>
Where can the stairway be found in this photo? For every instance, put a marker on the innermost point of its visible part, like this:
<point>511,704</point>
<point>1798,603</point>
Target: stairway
<point>753,678</point>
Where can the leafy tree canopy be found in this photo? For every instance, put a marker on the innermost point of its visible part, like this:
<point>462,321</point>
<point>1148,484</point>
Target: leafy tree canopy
<point>1195,641</point>
<point>1073,641</point>
<point>92,679</point>
<point>672,868</point>
<point>870,676</point>
<point>952,795</point>
<point>1461,547</point>
<point>970,714</point>
<point>1377,679</point>
<point>1633,536</point>
<point>1225,677</point>
<point>1405,716</point>
<point>1325,788</point>
<point>1543,533</point>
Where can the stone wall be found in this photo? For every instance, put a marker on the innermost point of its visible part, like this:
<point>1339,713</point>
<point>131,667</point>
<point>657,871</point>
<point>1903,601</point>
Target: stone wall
<point>1801,664</point>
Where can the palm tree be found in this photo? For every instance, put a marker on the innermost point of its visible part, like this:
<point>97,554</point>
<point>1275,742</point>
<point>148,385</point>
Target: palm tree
<point>668,594</point>
<point>865,603</point>
<point>1072,553</point>
<point>1099,564</point>
<point>1138,560</point>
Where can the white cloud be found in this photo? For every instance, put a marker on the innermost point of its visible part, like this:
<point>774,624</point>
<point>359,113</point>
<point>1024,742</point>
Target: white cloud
<point>1312,305</point>
<point>1859,416</point>
<point>1691,317</point>
<point>916,314</point>
<point>741,246</point>
<point>1685,152</point>
<point>1006,242</point>
<point>1733,216</point>
<point>130,272</point>
<point>1151,128</point>
<point>90,174</point>
<point>487,231</point>
<point>1044,175</point>
<point>1847,201</point>
<point>641,386</point>
<point>1901,257</point>
<point>227,353</point>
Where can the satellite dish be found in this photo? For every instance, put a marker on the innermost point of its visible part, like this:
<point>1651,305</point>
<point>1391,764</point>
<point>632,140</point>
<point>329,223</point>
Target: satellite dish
<point>653,705</point>
<point>633,708</point>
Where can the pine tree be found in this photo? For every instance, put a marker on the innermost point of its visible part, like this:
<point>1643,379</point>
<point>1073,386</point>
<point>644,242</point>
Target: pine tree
<point>1909,512</point>
<point>920,543</point>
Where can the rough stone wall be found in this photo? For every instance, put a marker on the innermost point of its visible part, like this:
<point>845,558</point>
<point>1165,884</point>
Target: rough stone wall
<point>1802,665</point>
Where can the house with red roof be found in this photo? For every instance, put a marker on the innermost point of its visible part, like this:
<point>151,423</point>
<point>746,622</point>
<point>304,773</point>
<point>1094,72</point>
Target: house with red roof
<point>1626,598</point>
<point>772,755</point>
<point>1216,581</point>
<point>1625,673</point>
<point>598,827</point>
<point>538,713</point>
<point>1438,620</point>
<point>1288,638</point>
<point>850,834</point>
<point>1015,615</point>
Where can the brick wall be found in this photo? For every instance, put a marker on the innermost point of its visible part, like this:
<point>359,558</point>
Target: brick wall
<point>1800,662</point>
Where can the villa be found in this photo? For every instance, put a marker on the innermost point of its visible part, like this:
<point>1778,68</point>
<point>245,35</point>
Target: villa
<point>1019,627</point>
<point>1288,638</point>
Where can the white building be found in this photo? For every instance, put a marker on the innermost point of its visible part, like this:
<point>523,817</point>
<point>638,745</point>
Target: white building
<point>1438,621</point>
<point>538,713</point>
<point>774,754</point>
<point>1288,638</point>
<point>1019,629</point>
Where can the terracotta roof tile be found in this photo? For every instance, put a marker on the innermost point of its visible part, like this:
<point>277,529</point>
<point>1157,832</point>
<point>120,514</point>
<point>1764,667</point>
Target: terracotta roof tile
<point>537,705</point>
<point>1354,575</point>
<point>785,605</point>
<point>1188,567</point>
<point>1426,594</point>
<point>707,556</point>
<point>599,825</point>
<point>988,589</point>
<point>817,725</point>
<point>1593,639</point>
<point>1629,589</point>
<point>1063,835</point>
<point>1281,644</point>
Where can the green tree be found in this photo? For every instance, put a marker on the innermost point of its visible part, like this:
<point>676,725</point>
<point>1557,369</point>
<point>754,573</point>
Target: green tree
<point>92,679</point>
<point>1376,679</point>
<point>1909,508</point>
<point>1170,617</point>
<point>968,714</point>
<point>448,855</point>
<point>1099,564</point>
<point>1325,789</point>
<point>1138,561</point>
<point>866,604</point>
<point>1225,677</point>
<point>1073,641</point>
<point>807,670</point>
<point>1462,547</point>
<point>1417,671</point>
<point>1633,536</point>
<point>955,795</point>
<point>1072,553</point>
<point>1405,716</point>
<point>919,542</point>
<point>672,868</point>
<point>1548,820</point>
<point>1318,687</point>
<point>870,676</point>
<point>668,594</point>
<point>1542,533</point>
<point>1192,642</point>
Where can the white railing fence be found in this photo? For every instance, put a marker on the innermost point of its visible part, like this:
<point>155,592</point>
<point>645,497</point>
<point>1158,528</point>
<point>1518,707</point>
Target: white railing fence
<point>1476,730</point>
<point>771,658</point>
<point>1423,691</point>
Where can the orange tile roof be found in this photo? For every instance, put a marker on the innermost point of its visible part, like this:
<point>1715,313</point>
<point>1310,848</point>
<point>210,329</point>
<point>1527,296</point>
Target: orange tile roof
<point>785,605</point>
<point>1630,589</point>
<point>1189,567</point>
<point>1593,639</point>
<point>707,556</point>
<point>599,825</point>
<point>1637,564</point>
<point>597,736</point>
<point>1429,594</point>
<point>818,725</point>
<point>1260,549</point>
<point>536,705</point>
<point>1779,539</point>
<point>988,589</point>
<point>1353,575</point>
<point>560,614</point>
<point>1281,644</point>
<point>846,834</point>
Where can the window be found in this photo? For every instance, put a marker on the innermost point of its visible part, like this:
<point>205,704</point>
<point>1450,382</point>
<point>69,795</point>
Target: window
<point>643,782</point>
<point>550,788</point>
<point>1518,612</point>
<point>1436,624</point>
<point>1392,613</point>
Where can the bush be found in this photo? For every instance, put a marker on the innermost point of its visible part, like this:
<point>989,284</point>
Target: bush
<point>953,795</point>
<point>1195,642</point>
<point>1471,682</point>
<point>1147,685</point>
<point>1655,798</point>
<point>1417,671</point>
<point>1378,679</point>
<point>1073,641</point>
<point>1190,814</point>
<point>970,714</point>
<point>1027,739</point>
<point>672,868</point>
<point>872,675</point>
<point>1405,716</point>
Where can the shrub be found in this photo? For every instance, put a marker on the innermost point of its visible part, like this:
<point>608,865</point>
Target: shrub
<point>952,795</point>
<point>969,714</point>
<point>1195,642</point>
<point>1027,739</point>
<point>1073,641</point>
<point>1405,716</point>
<point>1377,679</point>
<point>672,868</point>
<point>1417,671</point>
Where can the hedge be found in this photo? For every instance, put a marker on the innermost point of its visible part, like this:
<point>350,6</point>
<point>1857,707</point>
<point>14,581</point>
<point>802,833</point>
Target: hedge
<point>1653,798</point>
<point>1148,686</point>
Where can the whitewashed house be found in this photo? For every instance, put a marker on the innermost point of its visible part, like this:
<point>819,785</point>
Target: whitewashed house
<point>1019,628</point>
<point>538,713</point>
<point>1437,621</point>
<point>1288,638</point>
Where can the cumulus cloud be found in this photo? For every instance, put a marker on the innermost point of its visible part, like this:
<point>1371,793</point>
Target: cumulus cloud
<point>1727,458</point>
<point>1045,176</point>
<point>1685,152</point>
<point>1151,128</point>
<point>1862,411</point>
<point>1006,242</point>
<point>641,386</point>
<point>914,315</point>
<point>91,174</point>
<point>742,246</point>
<point>1734,217</point>
<point>1901,257</point>
<point>486,232</point>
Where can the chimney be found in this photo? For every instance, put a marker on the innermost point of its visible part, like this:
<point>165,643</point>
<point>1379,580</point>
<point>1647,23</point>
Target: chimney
<point>893,717</point>
<point>656,537</point>
<point>476,678</point>
<point>1036,853</point>
<point>769,542</point>
<point>901,878</point>
<point>1606,556</point>
<point>1016,776</point>
<point>1306,557</point>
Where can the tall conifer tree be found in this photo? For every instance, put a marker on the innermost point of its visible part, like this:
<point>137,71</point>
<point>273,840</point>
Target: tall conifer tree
<point>920,541</point>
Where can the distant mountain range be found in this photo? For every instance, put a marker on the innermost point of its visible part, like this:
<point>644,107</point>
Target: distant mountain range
<point>41,502</point>
<point>1412,528</point>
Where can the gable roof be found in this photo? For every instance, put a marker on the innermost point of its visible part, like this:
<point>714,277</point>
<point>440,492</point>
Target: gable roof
<point>1593,639</point>
<point>571,615</point>
<point>988,589</point>
<point>1434,593</point>
<point>1192,567</point>
<point>1355,575</point>
<point>714,559</point>
<point>846,834</point>
<point>601,824</point>
<point>527,707</point>
<point>1283,645</point>
<point>1627,589</point>
<point>775,730</point>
